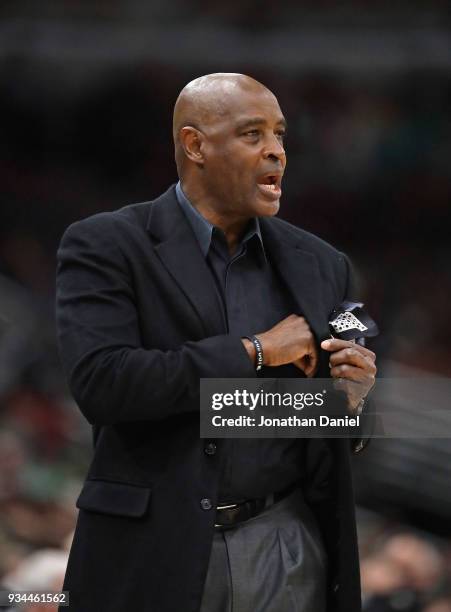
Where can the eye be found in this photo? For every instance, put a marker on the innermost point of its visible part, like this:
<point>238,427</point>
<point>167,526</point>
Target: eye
<point>281,134</point>
<point>251,133</point>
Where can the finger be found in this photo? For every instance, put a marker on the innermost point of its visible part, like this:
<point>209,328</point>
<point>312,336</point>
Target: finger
<point>308,364</point>
<point>351,373</point>
<point>312,363</point>
<point>355,391</point>
<point>351,387</point>
<point>310,369</point>
<point>301,365</point>
<point>335,344</point>
<point>355,375</point>
<point>354,357</point>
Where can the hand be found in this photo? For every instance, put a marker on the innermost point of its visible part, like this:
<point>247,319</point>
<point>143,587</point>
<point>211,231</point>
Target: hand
<point>290,341</point>
<point>355,365</point>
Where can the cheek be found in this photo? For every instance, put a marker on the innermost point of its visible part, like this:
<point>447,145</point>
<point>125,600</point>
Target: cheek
<point>234,177</point>
<point>217,174</point>
<point>244,176</point>
<point>245,187</point>
<point>231,175</point>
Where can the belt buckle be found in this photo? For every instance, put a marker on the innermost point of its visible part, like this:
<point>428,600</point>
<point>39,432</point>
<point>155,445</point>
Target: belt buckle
<point>225,507</point>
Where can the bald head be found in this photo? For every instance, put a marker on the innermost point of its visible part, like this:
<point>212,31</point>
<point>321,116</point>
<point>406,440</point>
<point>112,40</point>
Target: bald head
<point>228,135</point>
<point>208,99</point>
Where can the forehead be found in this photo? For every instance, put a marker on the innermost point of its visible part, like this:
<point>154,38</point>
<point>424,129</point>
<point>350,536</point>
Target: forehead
<point>249,106</point>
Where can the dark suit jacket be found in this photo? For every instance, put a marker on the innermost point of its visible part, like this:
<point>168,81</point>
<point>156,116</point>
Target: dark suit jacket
<point>139,323</point>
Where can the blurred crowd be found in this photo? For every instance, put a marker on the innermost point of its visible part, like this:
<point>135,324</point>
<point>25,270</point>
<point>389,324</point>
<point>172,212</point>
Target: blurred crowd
<point>403,570</point>
<point>261,14</point>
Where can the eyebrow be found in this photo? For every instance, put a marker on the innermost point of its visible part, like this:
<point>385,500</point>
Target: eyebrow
<point>258,121</point>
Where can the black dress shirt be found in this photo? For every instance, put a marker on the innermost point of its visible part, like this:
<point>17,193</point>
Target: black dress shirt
<point>253,300</point>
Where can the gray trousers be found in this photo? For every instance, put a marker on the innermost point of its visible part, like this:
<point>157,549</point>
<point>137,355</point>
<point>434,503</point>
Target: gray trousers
<point>275,562</point>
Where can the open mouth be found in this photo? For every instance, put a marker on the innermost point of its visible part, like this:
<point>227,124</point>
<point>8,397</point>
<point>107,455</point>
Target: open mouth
<point>269,185</point>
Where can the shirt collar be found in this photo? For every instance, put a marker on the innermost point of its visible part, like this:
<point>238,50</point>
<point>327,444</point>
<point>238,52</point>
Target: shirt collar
<point>203,229</point>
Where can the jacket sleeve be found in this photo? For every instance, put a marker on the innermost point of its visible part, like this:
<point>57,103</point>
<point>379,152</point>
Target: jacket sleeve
<point>111,376</point>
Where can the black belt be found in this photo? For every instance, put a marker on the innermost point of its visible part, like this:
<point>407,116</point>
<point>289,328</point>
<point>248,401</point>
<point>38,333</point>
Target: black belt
<point>228,515</point>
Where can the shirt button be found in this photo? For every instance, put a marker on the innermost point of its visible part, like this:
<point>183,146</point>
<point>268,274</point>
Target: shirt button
<point>210,448</point>
<point>206,504</point>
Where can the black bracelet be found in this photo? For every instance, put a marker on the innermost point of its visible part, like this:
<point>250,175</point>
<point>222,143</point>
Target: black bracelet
<point>259,350</point>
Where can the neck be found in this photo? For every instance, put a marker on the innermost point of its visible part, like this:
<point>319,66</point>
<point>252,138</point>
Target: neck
<point>229,222</point>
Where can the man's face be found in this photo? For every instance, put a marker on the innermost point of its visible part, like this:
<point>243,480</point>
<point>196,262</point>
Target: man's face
<point>244,157</point>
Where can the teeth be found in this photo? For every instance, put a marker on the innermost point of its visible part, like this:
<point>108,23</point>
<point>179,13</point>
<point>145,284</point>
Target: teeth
<point>272,187</point>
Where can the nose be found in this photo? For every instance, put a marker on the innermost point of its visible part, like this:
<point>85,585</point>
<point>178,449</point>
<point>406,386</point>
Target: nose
<point>274,149</point>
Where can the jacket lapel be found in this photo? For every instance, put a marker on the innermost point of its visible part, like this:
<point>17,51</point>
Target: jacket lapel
<point>300,272</point>
<point>176,246</point>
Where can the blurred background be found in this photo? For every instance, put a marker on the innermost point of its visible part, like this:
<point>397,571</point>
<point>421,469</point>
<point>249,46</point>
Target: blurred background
<point>86,97</point>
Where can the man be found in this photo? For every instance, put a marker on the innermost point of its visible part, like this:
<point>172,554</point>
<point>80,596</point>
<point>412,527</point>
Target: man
<point>202,282</point>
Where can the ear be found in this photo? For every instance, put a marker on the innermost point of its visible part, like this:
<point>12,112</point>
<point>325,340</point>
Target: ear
<point>191,140</point>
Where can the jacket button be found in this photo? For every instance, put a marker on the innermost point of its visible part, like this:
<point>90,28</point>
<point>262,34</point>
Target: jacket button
<point>206,504</point>
<point>210,448</point>
<point>336,587</point>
